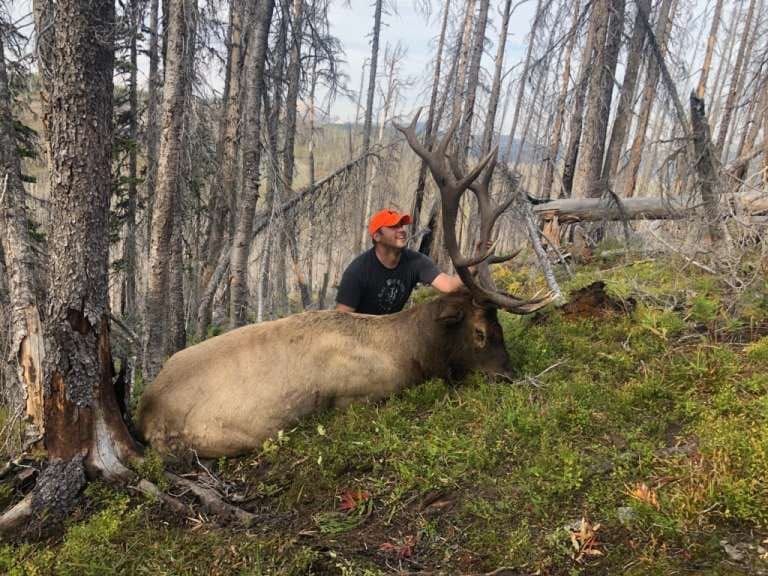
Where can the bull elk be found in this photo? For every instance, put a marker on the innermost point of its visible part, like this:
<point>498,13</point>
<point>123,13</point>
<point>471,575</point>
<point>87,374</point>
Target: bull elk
<point>225,396</point>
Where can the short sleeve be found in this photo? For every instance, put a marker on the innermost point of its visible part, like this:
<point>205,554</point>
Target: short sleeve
<point>426,268</point>
<point>350,288</point>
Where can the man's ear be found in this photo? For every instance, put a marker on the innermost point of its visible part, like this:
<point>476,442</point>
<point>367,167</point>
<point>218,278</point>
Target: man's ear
<point>450,313</point>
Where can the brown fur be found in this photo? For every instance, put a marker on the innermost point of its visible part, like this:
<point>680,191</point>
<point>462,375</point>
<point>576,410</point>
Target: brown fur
<point>226,395</point>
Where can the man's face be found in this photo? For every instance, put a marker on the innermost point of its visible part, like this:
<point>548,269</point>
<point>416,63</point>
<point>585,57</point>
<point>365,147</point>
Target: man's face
<point>392,236</point>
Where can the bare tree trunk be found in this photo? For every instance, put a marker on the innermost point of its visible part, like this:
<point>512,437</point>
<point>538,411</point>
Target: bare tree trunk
<point>628,87</point>
<point>169,162</point>
<point>152,132</point>
<point>493,100</point>
<point>257,51</point>
<point>523,78</point>
<point>577,116</point>
<point>129,244</point>
<point>473,79</point>
<point>735,79</point>
<point>608,40</point>
<point>223,181</point>
<point>557,127</point>
<point>751,35</point>
<point>711,42</point>
<point>291,101</point>
<point>663,26</point>
<point>26,333</point>
<point>82,429</point>
<point>431,126</point>
<point>369,107</point>
<point>460,82</point>
<point>708,180</point>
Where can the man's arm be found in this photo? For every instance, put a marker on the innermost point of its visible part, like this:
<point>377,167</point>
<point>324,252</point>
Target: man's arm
<point>446,283</point>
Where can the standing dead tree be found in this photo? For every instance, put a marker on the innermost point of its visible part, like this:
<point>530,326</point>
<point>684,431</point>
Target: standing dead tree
<point>174,91</point>
<point>26,333</point>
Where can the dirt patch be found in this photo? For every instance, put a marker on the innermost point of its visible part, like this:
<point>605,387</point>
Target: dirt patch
<point>594,302</point>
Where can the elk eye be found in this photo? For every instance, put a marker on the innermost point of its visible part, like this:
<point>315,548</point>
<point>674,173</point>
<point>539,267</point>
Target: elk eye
<point>479,337</point>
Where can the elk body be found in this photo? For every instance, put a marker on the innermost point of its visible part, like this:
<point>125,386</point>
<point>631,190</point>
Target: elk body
<point>226,395</point>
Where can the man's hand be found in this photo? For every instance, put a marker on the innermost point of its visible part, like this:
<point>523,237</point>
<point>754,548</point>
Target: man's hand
<point>344,308</point>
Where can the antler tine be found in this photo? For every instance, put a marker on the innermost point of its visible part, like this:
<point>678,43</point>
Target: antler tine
<point>442,147</point>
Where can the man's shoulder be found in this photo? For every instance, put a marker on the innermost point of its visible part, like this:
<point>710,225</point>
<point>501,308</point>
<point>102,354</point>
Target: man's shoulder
<point>360,263</point>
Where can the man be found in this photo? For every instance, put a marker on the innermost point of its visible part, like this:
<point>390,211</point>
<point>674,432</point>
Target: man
<point>381,279</point>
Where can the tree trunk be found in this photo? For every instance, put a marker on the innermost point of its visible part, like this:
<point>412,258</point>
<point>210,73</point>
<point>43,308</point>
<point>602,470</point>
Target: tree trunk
<point>473,79</point>
<point>663,27</point>
<point>152,132</point>
<point>628,87</point>
<point>257,52</point>
<point>418,199</point>
<point>557,127</point>
<point>711,42</point>
<point>169,163</point>
<point>577,116</point>
<point>538,17</point>
<point>586,180</point>
<point>493,100</point>
<point>735,79</point>
<point>462,55</point>
<point>708,179</point>
<point>27,350</point>
<point>223,181</point>
<point>369,107</point>
<point>291,101</point>
<point>82,428</point>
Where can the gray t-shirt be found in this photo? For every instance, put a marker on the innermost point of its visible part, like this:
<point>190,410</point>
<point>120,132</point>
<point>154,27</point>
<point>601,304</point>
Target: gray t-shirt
<point>369,287</point>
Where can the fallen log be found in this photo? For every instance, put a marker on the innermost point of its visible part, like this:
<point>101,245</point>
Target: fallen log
<point>596,209</point>
<point>570,210</point>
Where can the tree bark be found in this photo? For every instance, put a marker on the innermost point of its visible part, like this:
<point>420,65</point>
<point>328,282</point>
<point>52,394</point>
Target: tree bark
<point>257,51</point>
<point>610,14</point>
<point>735,79</point>
<point>27,350</point>
<point>82,428</point>
<point>473,80</point>
<point>369,108</point>
<point>291,101</point>
<point>538,17</point>
<point>708,178</point>
<point>223,181</point>
<point>169,163</point>
<point>462,55</point>
<point>493,99</point>
<point>128,299</point>
<point>628,87</point>
<point>577,116</point>
<point>711,42</point>
<point>663,26</point>
<point>557,126</point>
<point>432,120</point>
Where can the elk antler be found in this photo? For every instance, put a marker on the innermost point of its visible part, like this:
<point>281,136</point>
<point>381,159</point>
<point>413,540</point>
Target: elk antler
<point>452,186</point>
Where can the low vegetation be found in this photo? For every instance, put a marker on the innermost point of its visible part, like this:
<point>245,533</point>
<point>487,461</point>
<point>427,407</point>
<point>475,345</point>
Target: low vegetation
<point>634,441</point>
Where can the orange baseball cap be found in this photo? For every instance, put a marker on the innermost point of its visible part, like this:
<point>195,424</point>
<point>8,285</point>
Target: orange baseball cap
<point>387,218</point>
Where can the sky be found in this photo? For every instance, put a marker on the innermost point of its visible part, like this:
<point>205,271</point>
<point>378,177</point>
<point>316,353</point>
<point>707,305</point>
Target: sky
<point>352,24</point>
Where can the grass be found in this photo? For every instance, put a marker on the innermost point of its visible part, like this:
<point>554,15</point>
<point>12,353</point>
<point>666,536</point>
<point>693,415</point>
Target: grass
<point>632,443</point>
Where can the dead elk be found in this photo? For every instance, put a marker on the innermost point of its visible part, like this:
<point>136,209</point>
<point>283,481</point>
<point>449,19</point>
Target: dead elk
<point>225,396</point>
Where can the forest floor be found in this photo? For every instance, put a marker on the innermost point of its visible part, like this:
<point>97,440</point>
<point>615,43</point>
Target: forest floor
<point>634,441</point>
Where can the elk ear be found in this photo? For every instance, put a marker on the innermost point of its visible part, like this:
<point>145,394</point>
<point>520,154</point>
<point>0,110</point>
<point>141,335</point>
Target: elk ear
<point>480,337</point>
<point>450,313</point>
